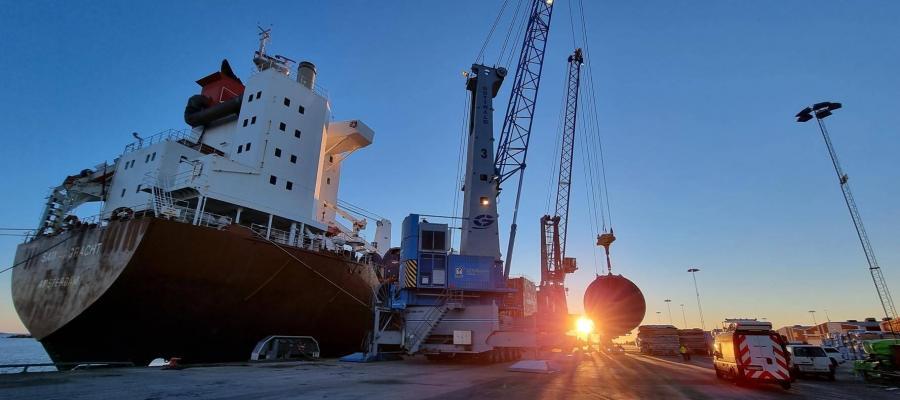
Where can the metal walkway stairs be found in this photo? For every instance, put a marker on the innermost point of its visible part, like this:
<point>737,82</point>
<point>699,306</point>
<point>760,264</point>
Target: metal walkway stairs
<point>450,300</point>
<point>388,329</point>
<point>55,209</point>
<point>163,204</point>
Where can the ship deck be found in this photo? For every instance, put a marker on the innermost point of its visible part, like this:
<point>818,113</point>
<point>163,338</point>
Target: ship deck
<point>628,376</point>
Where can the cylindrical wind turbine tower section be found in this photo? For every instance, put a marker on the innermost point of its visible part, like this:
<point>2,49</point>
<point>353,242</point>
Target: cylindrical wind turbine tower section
<point>615,304</point>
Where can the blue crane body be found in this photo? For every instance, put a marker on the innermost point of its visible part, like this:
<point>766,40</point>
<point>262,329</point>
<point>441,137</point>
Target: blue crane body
<point>447,304</point>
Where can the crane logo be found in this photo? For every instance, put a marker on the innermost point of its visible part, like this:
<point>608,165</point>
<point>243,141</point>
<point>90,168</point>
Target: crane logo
<point>483,221</point>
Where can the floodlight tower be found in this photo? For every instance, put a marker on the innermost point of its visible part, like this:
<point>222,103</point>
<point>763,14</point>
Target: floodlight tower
<point>821,111</point>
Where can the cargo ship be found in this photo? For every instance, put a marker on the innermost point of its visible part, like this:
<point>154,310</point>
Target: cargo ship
<point>212,237</point>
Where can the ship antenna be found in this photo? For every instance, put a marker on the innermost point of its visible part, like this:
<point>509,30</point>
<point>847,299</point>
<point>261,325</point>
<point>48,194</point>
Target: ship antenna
<point>260,58</point>
<point>264,36</point>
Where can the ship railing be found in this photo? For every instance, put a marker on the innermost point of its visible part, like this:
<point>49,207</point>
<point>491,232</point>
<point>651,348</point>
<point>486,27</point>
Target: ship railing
<point>278,235</point>
<point>299,240</point>
<point>189,216</point>
<point>170,182</point>
<point>166,135</point>
<point>99,220</point>
<point>321,91</point>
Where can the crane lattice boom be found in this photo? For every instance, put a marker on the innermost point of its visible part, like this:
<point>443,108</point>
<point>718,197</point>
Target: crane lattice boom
<point>567,150</point>
<point>554,264</point>
<point>516,131</point>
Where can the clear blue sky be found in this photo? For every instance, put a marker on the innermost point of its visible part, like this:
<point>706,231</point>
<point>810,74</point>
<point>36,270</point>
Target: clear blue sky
<point>705,164</point>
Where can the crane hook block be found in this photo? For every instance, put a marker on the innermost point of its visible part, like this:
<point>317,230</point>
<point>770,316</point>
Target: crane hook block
<point>605,240</point>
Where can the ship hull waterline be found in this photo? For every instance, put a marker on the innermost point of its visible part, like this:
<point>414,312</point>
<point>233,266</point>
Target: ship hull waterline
<point>147,288</point>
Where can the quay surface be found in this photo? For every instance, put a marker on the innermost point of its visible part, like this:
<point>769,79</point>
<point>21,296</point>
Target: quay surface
<point>628,376</point>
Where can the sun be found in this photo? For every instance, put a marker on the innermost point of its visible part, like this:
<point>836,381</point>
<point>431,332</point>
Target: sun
<point>584,326</point>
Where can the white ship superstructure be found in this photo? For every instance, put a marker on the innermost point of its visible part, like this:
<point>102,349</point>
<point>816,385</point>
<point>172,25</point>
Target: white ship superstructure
<point>264,154</point>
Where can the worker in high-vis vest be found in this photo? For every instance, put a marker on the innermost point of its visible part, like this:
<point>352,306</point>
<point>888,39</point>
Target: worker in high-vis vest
<point>685,354</point>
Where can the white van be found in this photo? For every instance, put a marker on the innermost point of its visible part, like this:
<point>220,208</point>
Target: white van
<point>807,359</point>
<point>750,351</point>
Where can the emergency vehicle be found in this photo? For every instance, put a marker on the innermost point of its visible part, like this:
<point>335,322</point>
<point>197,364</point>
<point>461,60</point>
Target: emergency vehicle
<point>750,351</point>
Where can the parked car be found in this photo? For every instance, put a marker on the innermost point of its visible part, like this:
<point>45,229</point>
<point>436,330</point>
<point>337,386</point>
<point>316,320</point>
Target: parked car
<point>835,355</point>
<point>810,360</point>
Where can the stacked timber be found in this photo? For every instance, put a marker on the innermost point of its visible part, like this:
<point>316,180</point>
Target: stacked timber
<point>694,339</point>
<point>658,339</point>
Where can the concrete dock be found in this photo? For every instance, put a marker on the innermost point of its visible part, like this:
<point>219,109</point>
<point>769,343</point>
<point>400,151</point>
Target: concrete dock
<point>628,376</point>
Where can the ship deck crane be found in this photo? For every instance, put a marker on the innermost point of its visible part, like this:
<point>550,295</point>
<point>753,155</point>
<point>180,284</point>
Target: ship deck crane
<point>554,263</point>
<point>821,111</point>
<point>352,237</point>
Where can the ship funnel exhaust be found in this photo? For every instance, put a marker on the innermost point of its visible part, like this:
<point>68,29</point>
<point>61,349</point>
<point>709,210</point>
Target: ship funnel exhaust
<point>306,74</point>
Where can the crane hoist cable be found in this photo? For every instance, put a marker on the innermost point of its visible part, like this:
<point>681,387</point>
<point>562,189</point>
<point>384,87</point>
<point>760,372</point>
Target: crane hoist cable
<point>594,165</point>
<point>491,32</point>
<point>595,118</point>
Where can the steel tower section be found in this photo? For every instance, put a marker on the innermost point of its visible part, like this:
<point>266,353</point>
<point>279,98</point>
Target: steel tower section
<point>480,234</point>
<point>884,295</point>
<point>516,132</point>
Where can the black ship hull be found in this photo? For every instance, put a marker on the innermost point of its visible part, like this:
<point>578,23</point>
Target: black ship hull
<point>146,288</point>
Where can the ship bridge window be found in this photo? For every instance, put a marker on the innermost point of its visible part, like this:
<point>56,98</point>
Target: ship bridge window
<point>153,156</point>
<point>240,149</point>
<point>123,192</point>
<point>277,152</point>
<point>287,102</point>
<point>289,185</point>
<point>247,147</point>
<point>296,133</point>
<point>293,159</point>
<point>258,94</point>
<point>282,126</point>
<point>253,120</point>
<point>246,121</point>
<point>301,110</point>
<point>249,99</point>
<point>273,179</point>
<point>126,165</point>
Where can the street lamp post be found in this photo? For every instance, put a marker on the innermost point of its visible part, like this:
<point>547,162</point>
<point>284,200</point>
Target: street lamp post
<point>816,324</point>
<point>669,307</point>
<point>684,317</point>
<point>693,272</point>
<point>659,317</point>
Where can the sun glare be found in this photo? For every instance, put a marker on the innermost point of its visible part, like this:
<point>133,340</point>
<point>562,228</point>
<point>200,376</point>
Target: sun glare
<point>584,326</point>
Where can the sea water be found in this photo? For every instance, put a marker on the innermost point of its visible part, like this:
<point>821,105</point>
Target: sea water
<point>22,351</point>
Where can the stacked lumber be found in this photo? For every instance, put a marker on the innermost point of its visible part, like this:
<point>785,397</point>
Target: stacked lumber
<point>694,339</point>
<point>658,339</point>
